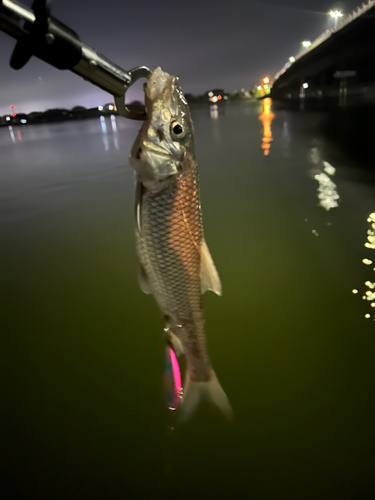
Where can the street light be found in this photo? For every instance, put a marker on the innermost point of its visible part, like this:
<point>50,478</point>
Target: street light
<point>306,43</point>
<point>291,59</point>
<point>335,14</point>
<point>266,80</point>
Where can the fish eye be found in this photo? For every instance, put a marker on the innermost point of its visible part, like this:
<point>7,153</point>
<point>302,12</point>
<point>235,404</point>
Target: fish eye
<point>177,130</point>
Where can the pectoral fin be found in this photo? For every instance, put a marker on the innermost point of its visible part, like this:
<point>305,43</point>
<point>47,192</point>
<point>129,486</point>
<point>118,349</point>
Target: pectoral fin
<point>143,280</point>
<point>209,276</point>
<point>139,191</point>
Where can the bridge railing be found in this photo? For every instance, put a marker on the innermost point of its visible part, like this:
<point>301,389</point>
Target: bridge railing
<point>359,11</point>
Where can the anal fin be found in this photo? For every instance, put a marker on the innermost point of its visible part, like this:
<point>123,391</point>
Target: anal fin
<point>209,276</point>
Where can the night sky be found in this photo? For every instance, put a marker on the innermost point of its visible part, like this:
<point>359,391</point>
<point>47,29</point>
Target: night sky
<point>206,43</point>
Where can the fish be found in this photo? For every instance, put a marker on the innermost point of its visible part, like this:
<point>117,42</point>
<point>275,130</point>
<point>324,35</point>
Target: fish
<point>176,266</point>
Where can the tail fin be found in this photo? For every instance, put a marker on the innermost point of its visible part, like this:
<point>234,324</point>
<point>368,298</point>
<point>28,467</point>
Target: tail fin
<point>210,389</point>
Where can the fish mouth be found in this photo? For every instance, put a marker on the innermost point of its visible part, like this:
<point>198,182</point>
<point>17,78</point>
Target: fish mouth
<point>158,83</point>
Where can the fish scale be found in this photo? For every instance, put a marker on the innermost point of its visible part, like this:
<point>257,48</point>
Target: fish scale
<point>169,253</point>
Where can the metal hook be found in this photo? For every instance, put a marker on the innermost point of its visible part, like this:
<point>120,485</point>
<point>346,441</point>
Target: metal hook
<point>135,74</point>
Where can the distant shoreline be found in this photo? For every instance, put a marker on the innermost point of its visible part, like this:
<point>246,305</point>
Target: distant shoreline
<point>58,115</point>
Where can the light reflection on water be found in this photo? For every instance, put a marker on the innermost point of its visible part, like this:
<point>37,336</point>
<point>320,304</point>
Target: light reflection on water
<point>369,295</point>
<point>11,133</point>
<point>214,111</point>
<point>327,191</point>
<point>113,137</point>
<point>266,118</point>
<point>323,172</point>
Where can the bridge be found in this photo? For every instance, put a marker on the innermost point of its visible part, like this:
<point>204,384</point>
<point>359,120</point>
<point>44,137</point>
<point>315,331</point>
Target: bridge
<point>338,67</point>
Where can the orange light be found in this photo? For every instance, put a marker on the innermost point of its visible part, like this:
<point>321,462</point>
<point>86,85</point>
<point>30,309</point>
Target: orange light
<point>266,118</point>
<point>219,97</point>
<point>266,80</point>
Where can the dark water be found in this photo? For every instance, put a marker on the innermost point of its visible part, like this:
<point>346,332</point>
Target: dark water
<point>83,415</point>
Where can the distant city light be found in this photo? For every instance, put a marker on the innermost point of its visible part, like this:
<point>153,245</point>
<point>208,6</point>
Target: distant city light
<point>225,97</point>
<point>336,13</point>
<point>305,85</point>
<point>7,118</point>
<point>291,59</point>
<point>242,90</point>
<point>219,97</point>
<point>23,120</point>
<point>306,43</point>
<point>110,107</point>
<point>266,80</point>
<point>259,87</point>
<point>13,114</point>
<point>214,98</point>
<point>12,107</point>
<point>210,94</point>
<point>100,108</point>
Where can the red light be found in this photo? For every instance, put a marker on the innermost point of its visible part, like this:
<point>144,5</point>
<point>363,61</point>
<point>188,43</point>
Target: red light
<point>13,114</point>
<point>12,107</point>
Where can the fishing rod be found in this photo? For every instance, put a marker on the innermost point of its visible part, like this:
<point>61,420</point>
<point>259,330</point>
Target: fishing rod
<point>41,35</point>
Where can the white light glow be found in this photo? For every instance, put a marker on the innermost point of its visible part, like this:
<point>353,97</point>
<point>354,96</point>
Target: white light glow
<point>328,168</point>
<point>327,192</point>
<point>367,262</point>
<point>305,85</point>
<point>23,120</point>
<point>336,13</point>
<point>214,111</point>
<point>100,108</point>
<point>103,125</point>
<point>291,59</point>
<point>12,134</point>
<point>113,123</point>
<point>306,43</point>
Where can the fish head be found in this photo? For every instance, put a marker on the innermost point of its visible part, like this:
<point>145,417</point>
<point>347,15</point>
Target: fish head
<point>167,135</point>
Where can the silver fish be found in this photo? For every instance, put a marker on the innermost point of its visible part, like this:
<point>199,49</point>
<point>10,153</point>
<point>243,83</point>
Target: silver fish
<point>176,265</point>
